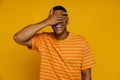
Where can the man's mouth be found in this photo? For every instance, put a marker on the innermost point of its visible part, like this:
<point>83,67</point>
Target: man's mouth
<point>58,26</point>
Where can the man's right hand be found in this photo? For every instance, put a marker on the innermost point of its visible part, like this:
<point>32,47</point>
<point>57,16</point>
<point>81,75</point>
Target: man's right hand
<point>55,18</point>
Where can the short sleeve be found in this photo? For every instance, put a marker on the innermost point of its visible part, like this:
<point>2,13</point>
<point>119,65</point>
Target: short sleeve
<point>87,56</point>
<point>36,41</point>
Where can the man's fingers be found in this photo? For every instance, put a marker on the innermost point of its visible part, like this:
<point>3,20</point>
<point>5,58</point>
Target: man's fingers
<point>62,17</point>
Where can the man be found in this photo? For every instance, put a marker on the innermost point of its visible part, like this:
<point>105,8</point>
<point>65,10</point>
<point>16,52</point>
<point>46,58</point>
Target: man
<point>64,55</point>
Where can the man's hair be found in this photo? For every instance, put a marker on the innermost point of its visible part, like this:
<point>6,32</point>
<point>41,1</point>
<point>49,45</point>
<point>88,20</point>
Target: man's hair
<point>59,8</point>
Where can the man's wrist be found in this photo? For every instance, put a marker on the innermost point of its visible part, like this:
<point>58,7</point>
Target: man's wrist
<point>46,22</point>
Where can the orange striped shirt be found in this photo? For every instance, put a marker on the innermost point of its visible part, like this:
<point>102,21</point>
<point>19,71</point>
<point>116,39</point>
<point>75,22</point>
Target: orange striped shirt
<point>62,59</point>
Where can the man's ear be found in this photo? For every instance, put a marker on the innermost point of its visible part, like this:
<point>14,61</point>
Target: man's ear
<point>51,12</point>
<point>68,21</point>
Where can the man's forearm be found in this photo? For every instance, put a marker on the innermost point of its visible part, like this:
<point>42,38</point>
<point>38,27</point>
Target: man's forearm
<point>86,74</point>
<point>26,33</point>
<point>86,78</point>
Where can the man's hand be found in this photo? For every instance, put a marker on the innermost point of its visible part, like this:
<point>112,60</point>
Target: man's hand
<point>55,18</point>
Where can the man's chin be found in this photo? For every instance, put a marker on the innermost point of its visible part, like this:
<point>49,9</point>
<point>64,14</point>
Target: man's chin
<point>58,32</point>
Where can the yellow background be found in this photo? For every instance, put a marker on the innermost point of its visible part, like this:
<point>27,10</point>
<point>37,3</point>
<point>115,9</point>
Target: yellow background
<point>97,20</point>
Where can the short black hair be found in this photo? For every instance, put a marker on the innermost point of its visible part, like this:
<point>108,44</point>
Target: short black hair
<point>59,8</point>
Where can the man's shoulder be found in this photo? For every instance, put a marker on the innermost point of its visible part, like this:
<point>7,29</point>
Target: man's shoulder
<point>44,34</point>
<point>79,36</point>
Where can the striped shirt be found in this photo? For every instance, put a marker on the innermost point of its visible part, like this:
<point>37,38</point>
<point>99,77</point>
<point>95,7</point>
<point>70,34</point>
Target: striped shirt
<point>62,59</point>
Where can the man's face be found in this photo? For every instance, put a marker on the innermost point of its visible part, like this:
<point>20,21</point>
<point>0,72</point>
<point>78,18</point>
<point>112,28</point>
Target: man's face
<point>59,28</point>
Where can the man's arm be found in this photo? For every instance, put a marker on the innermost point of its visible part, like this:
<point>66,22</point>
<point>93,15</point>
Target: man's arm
<point>23,36</point>
<point>86,74</point>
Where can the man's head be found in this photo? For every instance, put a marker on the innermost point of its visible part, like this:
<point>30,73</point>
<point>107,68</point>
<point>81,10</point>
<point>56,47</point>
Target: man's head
<point>60,28</point>
<point>59,8</point>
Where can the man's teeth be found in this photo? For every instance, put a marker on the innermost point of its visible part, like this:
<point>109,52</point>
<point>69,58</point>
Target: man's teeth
<point>58,26</point>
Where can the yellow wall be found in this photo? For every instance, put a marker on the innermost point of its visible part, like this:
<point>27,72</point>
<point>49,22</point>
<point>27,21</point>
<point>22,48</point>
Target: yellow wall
<point>97,20</point>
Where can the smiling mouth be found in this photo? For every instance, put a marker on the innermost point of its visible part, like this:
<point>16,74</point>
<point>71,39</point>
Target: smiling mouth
<point>58,26</point>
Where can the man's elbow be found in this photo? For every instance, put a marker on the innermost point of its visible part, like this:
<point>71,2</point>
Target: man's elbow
<point>17,39</point>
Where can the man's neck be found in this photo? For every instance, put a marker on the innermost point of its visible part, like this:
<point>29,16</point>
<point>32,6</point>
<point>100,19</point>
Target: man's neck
<point>62,36</point>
